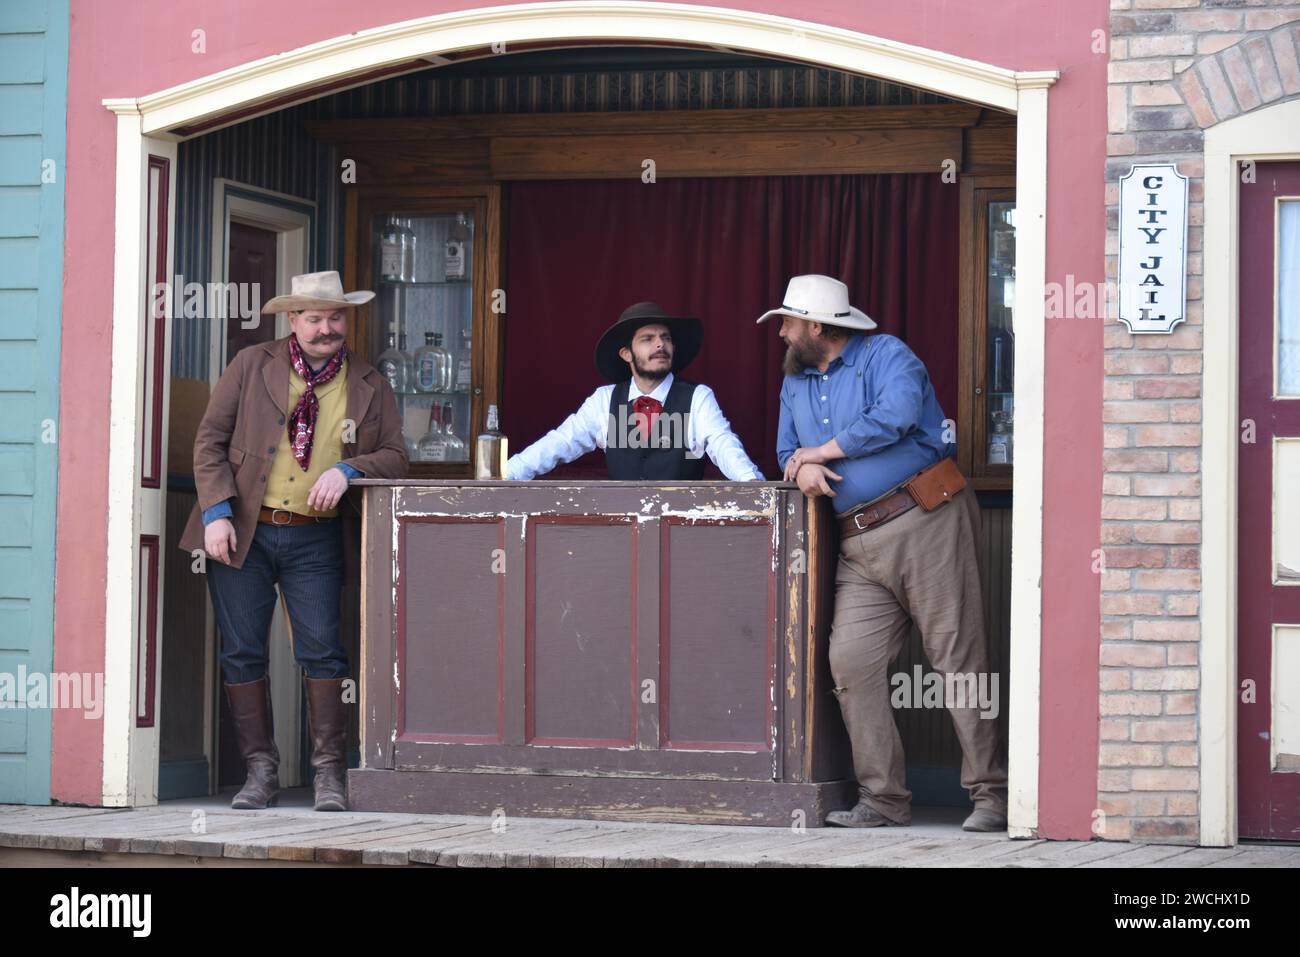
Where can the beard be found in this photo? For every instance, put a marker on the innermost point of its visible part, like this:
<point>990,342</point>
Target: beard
<point>800,356</point>
<point>652,375</point>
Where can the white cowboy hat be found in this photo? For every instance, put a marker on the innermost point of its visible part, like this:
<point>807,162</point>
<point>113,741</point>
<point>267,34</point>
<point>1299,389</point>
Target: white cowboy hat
<point>317,290</point>
<point>820,299</point>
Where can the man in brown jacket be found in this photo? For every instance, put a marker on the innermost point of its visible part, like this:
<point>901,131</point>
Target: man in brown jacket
<point>289,424</point>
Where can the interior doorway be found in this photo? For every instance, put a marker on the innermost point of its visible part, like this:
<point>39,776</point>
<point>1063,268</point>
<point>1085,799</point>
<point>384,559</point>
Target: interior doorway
<point>259,239</point>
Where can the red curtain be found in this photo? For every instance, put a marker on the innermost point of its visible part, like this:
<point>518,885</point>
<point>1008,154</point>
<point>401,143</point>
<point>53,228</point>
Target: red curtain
<point>721,249</point>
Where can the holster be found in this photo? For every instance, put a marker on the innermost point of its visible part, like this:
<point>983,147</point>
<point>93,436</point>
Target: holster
<point>936,485</point>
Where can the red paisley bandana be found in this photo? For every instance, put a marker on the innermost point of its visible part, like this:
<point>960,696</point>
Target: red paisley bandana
<point>302,421</point>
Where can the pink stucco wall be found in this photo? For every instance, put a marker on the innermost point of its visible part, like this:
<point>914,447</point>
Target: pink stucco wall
<point>126,48</point>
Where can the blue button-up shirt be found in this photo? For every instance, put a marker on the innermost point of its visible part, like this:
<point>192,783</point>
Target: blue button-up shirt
<point>876,400</point>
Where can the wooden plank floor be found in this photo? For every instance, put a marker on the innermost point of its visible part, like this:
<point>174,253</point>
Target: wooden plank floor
<point>208,832</point>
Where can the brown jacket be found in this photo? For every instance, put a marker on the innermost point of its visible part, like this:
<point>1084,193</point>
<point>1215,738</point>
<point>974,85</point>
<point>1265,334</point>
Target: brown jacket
<point>240,431</point>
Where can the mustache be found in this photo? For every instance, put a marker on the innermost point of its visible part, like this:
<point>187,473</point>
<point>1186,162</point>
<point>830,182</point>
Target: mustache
<point>328,337</point>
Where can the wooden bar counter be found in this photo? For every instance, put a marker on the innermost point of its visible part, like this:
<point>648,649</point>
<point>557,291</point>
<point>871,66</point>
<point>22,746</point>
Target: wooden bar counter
<point>647,651</point>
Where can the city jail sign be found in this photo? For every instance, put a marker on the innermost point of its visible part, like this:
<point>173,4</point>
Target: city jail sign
<point>1152,248</point>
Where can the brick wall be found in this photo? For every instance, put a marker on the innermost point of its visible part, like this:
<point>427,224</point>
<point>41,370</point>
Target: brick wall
<point>1176,68</point>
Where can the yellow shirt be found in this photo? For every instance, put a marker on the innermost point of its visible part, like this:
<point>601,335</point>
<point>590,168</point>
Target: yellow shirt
<point>287,485</point>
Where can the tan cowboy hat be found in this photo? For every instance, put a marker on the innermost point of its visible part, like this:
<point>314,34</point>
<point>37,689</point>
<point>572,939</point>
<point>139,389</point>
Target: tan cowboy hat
<point>820,299</point>
<point>317,290</point>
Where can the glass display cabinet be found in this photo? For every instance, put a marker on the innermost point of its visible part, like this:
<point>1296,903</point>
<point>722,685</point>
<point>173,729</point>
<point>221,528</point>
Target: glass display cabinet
<point>431,258</point>
<point>986,363</point>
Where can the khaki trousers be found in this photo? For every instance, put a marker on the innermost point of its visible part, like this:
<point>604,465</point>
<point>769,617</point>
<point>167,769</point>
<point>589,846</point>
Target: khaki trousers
<point>922,567</point>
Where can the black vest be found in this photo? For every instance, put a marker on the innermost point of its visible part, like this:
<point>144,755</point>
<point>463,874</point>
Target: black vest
<point>630,463</point>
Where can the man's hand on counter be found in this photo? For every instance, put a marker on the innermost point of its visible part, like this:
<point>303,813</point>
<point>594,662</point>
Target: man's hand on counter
<point>327,491</point>
<point>812,455</point>
<point>813,480</point>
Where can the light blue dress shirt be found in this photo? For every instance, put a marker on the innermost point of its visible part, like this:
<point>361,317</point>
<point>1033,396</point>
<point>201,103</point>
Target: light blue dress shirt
<point>876,400</point>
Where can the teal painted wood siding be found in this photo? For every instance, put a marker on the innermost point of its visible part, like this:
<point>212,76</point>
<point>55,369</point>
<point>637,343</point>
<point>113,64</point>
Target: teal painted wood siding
<point>33,125</point>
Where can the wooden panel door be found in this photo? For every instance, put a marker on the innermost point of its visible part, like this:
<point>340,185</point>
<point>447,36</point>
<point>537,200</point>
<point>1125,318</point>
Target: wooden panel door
<point>1268,596</point>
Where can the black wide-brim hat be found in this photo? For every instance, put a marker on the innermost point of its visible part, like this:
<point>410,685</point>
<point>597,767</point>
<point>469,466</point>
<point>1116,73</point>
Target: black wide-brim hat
<point>688,337</point>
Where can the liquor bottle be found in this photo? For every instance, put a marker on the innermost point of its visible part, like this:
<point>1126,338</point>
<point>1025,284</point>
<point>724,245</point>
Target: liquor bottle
<point>408,250</point>
<point>458,237</point>
<point>433,447</point>
<point>446,369</point>
<point>428,364</point>
<point>490,451</point>
<point>999,441</point>
<point>457,451</point>
<point>390,252</point>
<point>464,363</point>
<point>394,366</point>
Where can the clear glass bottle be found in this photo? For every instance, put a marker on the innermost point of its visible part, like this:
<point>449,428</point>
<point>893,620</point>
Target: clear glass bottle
<point>464,363</point>
<point>456,250</point>
<point>408,250</point>
<point>490,450</point>
<point>448,381</point>
<point>390,251</point>
<point>394,366</point>
<point>430,365</point>
<point>433,447</point>
<point>999,441</point>
<point>457,450</point>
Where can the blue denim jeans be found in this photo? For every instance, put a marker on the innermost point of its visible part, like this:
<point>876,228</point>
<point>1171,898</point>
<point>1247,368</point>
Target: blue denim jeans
<point>307,562</point>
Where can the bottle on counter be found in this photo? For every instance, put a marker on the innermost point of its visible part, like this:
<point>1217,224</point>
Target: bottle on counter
<point>457,451</point>
<point>433,447</point>
<point>490,450</point>
<point>394,366</point>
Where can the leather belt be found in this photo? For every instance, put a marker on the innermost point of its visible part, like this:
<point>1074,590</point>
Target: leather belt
<point>282,516</point>
<point>876,513</point>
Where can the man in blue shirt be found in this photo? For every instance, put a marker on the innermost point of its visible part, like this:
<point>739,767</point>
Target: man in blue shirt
<point>859,420</point>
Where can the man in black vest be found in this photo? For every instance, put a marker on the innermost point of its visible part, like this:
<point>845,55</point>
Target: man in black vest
<point>651,424</point>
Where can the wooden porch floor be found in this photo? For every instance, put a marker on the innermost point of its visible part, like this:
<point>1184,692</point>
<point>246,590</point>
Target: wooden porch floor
<point>206,832</point>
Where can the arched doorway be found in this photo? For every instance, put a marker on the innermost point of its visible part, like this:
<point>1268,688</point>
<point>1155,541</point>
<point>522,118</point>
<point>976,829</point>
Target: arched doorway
<point>150,126</point>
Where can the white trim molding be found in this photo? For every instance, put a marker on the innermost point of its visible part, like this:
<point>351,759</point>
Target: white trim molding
<point>130,765</point>
<point>318,69</point>
<point>1272,133</point>
<point>1027,511</point>
<point>416,41</point>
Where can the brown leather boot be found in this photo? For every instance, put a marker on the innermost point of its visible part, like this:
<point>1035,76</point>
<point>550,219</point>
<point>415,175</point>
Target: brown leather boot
<point>250,707</point>
<point>328,720</point>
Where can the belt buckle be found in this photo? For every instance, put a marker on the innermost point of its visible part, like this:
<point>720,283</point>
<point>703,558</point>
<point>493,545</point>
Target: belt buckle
<point>871,515</point>
<point>277,511</point>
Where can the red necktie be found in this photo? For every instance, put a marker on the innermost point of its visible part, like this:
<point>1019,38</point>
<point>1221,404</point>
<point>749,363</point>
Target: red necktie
<point>644,412</point>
